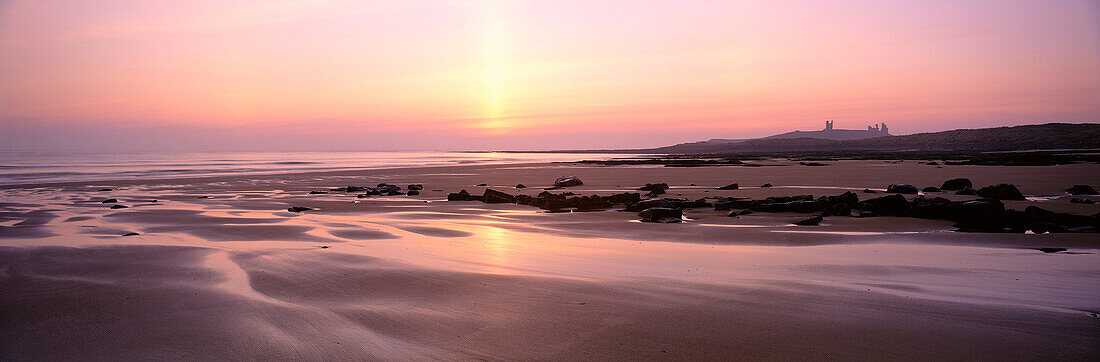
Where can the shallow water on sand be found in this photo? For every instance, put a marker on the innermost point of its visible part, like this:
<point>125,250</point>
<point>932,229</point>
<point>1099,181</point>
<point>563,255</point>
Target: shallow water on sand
<point>27,167</point>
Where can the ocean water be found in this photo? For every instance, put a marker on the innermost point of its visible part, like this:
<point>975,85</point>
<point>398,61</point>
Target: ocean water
<point>27,167</point>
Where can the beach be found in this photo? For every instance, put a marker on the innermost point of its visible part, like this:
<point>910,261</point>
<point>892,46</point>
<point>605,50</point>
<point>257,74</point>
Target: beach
<point>218,268</point>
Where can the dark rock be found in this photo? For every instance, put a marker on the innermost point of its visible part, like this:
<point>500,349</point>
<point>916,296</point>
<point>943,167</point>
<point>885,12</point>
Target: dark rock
<point>1001,192</point>
<point>102,190</point>
<point>661,215</point>
<point>956,184</point>
<point>901,189</point>
<point>869,191</point>
<point>811,221</point>
<point>412,193</point>
<point>298,209</point>
<point>324,246</point>
<point>732,186</point>
<point>496,197</point>
<point>930,189</point>
<point>893,205</point>
<point>766,185</point>
<point>645,204</point>
<point>521,186</point>
<point>361,196</point>
<point>131,234</point>
<point>812,164</point>
<point>1050,250</point>
<point>1081,201</point>
<point>317,192</point>
<point>655,192</point>
<point>388,189</point>
<point>661,187</point>
<point>966,191</point>
<point>459,196</point>
<point>351,189</point>
<point>1082,190</point>
<point>415,187</point>
<point>482,185</point>
<point>933,163</point>
<point>625,198</point>
<point>568,181</point>
<point>204,197</point>
<point>109,201</point>
<point>116,206</point>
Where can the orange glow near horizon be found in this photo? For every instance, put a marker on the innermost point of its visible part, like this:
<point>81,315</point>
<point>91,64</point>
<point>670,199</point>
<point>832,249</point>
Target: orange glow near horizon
<point>485,73</point>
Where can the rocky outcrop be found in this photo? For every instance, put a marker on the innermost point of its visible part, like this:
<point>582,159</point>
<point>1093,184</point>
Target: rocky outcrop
<point>496,197</point>
<point>1001,192</point>
<point>956,184</point>
<point>901,189</point>
<point>811,221</point>
<point>661,215</point>
<point>568,181</point>
<point>732,186</point>
<point>1082,190</point>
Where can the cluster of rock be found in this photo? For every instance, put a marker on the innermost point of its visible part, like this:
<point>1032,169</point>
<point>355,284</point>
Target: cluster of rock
<point>987,214</point>
<point>961,186</point>
<point>382,189</point>
<point>550,201</point>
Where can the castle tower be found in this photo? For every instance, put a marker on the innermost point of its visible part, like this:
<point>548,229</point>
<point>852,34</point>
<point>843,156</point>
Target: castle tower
<point>884,130</point>
<point>828,125</point>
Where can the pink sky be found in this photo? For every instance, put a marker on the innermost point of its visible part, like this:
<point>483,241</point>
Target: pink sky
<point>435,75</point>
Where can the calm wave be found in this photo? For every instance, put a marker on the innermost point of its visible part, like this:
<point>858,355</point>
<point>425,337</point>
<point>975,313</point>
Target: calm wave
<point>25,167</point>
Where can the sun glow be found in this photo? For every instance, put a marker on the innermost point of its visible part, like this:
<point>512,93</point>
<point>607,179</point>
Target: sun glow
<point>493,121</point>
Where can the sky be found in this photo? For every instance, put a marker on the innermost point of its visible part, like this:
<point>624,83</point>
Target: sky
<point>507,75</point>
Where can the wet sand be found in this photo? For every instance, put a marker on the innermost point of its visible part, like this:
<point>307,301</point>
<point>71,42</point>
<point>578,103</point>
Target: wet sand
<point>234,275</point>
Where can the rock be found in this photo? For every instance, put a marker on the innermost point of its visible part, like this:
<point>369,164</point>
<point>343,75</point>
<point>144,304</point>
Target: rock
<point>869,191</point>
<point>736,213</point>
<point>116,206</point>
<point>361,196</point>
<point>901,189</point>
<point>412,193</point>
<point>661,215</point>
<point>956,184</point>
<point>351,189</point>
<point>388,189</point>
<point>732,186</point>
<point>651,203</point>
<point>324,246</point>
<point>131,234</point>
<point>1081,201</point>
<point>655,192</point>
<point>893,205</point>
<point>930,189</point>
<point>496,197</point>
<point>102,190</point>
<point>625,198</point>
<point>1082,190</point>
<point>1050,250</point>
<point>298,209</point>
<point>459,196</point>
<point>317,192</point>
<point>765,185</point>
<point>812,164</point>
<point>811,221</point>
<point>660,188</point>
<point>415,187</point>
<point>482,185</point>
<point>568,181</point>
<point>521,186</point>
<point>204,197</point>
<point>109,201</point>
<point>1001,192</point>
<point>744,212</point>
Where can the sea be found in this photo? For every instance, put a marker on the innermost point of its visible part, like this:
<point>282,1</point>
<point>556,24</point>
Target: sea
<point>35,167</point>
